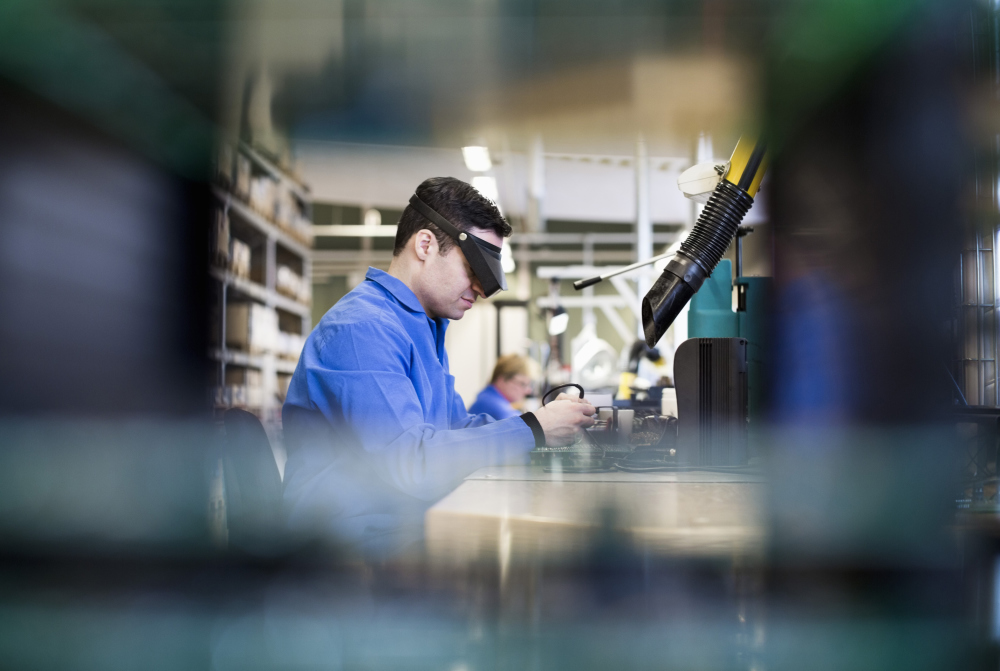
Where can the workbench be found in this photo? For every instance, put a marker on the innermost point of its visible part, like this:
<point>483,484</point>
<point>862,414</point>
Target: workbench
<point>522,512</point>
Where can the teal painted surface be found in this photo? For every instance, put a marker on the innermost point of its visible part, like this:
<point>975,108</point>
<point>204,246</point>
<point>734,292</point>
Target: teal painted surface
<point>711,315</point>
<point>753,321</point>
<point>753,327</point>
<point>711,309</point>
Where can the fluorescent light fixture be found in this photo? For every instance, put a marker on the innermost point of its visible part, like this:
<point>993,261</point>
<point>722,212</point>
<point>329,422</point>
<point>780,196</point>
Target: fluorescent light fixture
<point>487,186</point>
<point>507,258</point>
<point>373,217</point>
<point>559,322</point>
<point>477,159</point>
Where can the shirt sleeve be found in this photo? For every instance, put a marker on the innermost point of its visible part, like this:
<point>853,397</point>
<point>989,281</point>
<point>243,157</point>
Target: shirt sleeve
<point>462,418</point>
<point>367,390</point>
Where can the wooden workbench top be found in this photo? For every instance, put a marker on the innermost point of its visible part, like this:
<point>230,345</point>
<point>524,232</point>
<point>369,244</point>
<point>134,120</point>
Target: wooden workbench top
<point>522,512</point>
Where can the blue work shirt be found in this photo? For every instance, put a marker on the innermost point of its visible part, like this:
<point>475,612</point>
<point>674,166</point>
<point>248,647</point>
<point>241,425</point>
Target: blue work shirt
<point>491,402</point>
<point>374,429</point>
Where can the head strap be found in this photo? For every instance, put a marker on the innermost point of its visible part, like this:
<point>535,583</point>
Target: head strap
<point>449,228</point>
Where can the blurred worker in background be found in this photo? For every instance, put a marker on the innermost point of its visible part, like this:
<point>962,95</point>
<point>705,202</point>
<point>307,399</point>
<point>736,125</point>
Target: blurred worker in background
<point>508,387</point>
<point>374,429</point>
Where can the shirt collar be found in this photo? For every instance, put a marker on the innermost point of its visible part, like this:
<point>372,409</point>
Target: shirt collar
<point>396,288</point>
<point>496,392</point>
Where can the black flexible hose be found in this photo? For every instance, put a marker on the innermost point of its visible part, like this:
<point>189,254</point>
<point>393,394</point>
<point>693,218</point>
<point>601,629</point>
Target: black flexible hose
<point>717,226</point>
<point>698,256</point>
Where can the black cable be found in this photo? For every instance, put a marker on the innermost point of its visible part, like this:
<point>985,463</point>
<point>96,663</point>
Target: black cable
<point>665,468</point>
<point>678,468</point>
<point>558,387</point>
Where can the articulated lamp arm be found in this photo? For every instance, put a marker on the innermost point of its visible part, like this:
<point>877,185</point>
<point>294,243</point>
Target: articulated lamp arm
<point>704,246</point>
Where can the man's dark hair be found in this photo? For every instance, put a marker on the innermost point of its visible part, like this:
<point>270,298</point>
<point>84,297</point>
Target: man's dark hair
<point>456,201</point>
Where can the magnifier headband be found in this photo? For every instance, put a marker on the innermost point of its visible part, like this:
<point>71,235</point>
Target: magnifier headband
<point>483,257</point>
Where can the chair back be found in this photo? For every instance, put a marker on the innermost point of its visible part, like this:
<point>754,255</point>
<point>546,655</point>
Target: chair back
<point>252,481</point>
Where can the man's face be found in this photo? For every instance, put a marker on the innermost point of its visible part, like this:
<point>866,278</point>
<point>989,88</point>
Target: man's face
<point>448,285</point>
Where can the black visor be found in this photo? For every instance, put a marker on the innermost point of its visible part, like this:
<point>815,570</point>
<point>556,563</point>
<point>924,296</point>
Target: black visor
<point>481,255</point>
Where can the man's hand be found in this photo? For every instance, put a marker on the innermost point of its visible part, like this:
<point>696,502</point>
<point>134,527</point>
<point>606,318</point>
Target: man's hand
<point>563,418</point>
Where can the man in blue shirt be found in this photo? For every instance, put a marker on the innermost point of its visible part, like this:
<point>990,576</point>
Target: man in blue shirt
<point>374,429</point>
<point>509,385</point>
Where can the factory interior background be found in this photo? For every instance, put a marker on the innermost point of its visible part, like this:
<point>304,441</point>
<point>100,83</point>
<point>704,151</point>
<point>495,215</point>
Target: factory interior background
<point>188,186</point>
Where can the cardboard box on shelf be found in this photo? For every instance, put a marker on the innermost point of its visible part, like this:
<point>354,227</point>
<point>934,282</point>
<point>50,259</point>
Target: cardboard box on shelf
<point>224,165</point>
<point>301,230</point>
<point>255,397</point>
<point>288,282</point>
<point>251,327</point>
<point>243,177</point>
<point>284,380</point>
<point>285,208</point>
<point>239,396</point>
<point>289,345</point>
<point>239,258</point>
<point>220,239</point>
<point>293,285</point>
<point>262,195</point>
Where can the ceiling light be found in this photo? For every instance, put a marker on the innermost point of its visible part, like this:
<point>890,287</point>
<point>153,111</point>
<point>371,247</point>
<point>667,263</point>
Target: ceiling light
<point>477,159</point>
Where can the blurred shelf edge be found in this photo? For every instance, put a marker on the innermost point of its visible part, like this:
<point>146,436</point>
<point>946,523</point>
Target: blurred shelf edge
<point>258,221</point>
<point>258,361</point>
<point>260,293</point>
<point>267,165</point>
<point>236,357</point>
<point>286,366</point>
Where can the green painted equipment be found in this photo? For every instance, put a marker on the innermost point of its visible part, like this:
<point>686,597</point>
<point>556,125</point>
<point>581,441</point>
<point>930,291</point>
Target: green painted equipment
<point>711,315</point>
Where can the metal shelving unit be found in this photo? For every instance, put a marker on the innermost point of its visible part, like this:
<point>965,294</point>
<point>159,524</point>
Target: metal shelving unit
<point>262,294</point>
<point>270,242</point>
<point>979,320</point>
<point>265,227</point>
<point>976,367</point>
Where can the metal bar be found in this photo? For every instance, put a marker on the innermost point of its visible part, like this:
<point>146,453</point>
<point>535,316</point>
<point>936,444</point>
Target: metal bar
<point>961,321</point>
<point>588,260</point>
<point>643,223</point>
<point>637,265</point>
<point>571,272</point>
<point>627,238</point>
<point>979,320</point>
<point>354,231</point>
<point>389,231</point>
<point>590,281</point>
<point>351,257</point>
<point>996,308</point>
<point>580,301</point>
<point>222,328</point>
<point>307,277</point>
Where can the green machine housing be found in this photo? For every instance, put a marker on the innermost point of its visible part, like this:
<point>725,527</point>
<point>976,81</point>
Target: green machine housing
<point>711,315</point>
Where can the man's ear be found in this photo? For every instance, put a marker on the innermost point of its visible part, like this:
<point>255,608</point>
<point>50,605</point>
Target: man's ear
<point>423,242</point>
